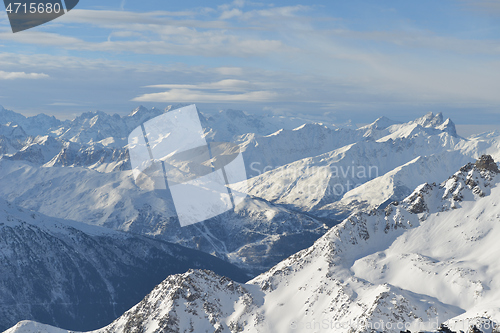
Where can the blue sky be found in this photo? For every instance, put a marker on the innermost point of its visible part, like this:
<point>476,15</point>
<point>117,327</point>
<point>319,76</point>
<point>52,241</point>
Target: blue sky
<point>336,60</point>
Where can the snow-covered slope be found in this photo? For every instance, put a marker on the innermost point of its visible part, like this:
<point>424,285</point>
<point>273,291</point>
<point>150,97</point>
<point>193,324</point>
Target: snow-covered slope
<point>256,235</point>
<point>78,276</point>
<point>429,259</point>
<point>311,183</point>
<point>366,174</point>
<point>397,183</point>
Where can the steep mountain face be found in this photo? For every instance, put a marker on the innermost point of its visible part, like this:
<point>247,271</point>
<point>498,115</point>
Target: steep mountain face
<point>12,138</point>
<point>214,304</point>
<point>96,157</point>
<point>429,259</point>
<point>34,126</point>
<point>81,277</point>
<point>38,150</point>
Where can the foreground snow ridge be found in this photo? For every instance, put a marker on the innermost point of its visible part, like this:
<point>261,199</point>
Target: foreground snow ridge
<point>428,260</point>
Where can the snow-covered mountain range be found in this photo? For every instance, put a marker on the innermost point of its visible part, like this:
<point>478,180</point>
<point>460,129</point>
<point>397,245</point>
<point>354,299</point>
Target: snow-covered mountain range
<point>421,262</point>
<point>328,212</point>
<point>306,178</point>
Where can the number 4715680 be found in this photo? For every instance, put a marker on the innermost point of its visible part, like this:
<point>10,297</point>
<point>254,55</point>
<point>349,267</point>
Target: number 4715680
<point>33,8</point>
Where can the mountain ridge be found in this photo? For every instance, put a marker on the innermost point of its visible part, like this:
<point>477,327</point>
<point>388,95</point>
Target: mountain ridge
<point>365,273</point>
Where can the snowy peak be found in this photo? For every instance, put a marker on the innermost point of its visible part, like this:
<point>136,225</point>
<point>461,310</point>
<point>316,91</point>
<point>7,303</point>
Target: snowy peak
<point>436,121</point>
<point>138,110</point>
<point>421,127</point>
<point>140,115</point>
<point>234,114</point>
<point>36,125</point>
<point>430,120</point>
<point>197,301</point>
<point>449,127</point>
<point>381,123</point>
<point>9,116</point>
<point>226,125</point>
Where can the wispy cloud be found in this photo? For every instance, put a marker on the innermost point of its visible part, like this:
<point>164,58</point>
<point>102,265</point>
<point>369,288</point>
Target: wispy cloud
<point>223,91</point>
<point>141,21</point>
<point>21,75</point>
<point>64,104</point>
<point>169,40</point>
<point>229,71</point>
<point>197,96</point>
<point>223,85</point>
<point>261,53</point>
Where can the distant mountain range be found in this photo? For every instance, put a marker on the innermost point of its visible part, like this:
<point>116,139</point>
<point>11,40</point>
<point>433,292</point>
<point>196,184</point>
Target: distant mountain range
<point>315,187</point>
<point>305,179</point>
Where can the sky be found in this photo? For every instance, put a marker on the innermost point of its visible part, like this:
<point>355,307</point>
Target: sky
<point>333,60</point>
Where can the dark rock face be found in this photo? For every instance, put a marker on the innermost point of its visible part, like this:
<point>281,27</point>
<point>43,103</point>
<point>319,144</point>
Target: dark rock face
<point>416,201</point>
<point>486,162</point>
